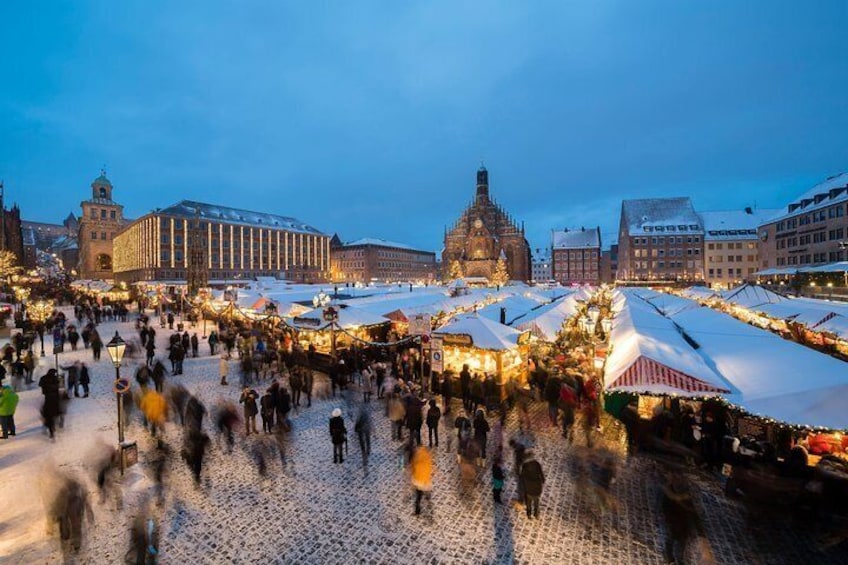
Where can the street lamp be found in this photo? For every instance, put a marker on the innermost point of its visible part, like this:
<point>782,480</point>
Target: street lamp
<point>39,312</point>
<point>320,300</point>
<point>116,348</point>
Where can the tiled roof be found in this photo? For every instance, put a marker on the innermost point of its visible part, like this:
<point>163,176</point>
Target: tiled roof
<point>651,215</point>
<point>225,214</point>
<point>832,191</point>
<point>576,239</point>
<point>734,224</point>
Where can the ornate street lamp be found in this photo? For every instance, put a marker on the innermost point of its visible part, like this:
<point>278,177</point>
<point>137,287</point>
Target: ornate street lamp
<point>320,300</point>
<point>39,312</point>
<point>115,348</point>
<point>606,325</point>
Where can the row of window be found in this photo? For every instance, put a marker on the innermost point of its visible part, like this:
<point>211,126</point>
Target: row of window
<point>817,216</point>
<point>719,273</point>
<point>102,235</point>
<point>644,265</point>
<point>667,240</point>
<point>731,258</point>
<point>731,245</point>
<point>687,227</point>
<point>662,252</point>
<point>103,214</point>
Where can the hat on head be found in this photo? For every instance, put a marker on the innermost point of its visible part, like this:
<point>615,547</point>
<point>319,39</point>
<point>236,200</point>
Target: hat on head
<point>337,412</point>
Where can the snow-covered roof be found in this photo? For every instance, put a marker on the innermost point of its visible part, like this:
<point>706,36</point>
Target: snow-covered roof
<point>515,306</point>
<point>485,333</point>
<point>349,318</point>
<point>698,293</point>
<point>669,304</point>
<point>576,239</point>
<point>660,215</point>
<point>734,224</point>
<point>649,354</point>
<point>838,267</point>
<point>546,322</point>
<point>382,243</point>
<point>749,296</point>
<point>190,209</point>
<point>772,377</point>
<point>832,191</point>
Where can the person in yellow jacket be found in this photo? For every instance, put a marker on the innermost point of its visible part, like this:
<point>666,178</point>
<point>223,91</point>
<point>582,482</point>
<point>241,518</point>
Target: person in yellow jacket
<point>155,408</point>
<point>421,474</point>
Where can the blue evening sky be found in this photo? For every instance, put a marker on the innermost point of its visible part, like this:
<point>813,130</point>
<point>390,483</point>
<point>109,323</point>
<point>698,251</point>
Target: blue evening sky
<point>371,118</point>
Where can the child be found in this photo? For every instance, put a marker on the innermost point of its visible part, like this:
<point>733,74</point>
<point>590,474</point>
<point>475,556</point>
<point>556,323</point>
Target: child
<point>497,481</point>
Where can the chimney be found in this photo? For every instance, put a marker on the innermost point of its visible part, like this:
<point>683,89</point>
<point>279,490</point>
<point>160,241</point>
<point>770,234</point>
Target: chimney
<point>503,315</point>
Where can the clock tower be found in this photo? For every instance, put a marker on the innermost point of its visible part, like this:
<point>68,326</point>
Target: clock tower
<point>101,219</point>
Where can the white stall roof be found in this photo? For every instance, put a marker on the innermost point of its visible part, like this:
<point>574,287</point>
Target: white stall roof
<point>774,377</point>
<point>649,354</point>
<point>485,333</point>
<point>546,322</point>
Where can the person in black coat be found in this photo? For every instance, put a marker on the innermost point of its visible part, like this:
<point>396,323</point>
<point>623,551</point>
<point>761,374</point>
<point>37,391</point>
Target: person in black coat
<point>338,435</point>
<point>84,379</point>
<point>532,479</point>
<point>195,345</point>
<point>159,376</point>
<point>267,409</point>
<point>414,417</point>
<point>433,416</point>
<point>465,386</point>
<point>249,398</point>
<point>52,407</point>
<point>481,432</point>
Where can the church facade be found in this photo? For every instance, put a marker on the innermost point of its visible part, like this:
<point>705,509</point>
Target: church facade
<point>483,234</point>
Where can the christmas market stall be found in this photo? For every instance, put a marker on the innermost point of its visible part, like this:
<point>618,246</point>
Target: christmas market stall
<point>345,327</point>
<point>545,323</point>
<point>486,346</point>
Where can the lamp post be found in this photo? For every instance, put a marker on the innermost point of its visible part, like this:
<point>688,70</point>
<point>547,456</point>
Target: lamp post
<point>115,348</point>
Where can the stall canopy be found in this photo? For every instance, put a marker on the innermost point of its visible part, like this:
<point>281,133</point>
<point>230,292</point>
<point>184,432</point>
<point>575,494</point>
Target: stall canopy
<point>698,293</point>
<point>514,306</point>
<point>348,318</point>
<point>484,333</point>
<point>546,322</point>
<point>748,296</point>
<point>774,377</point>
<point>838,267</point>
<point>649,355</point>
<point>670,304</point>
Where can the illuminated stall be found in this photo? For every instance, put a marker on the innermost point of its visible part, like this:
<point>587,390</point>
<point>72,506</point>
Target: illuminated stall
<point>352,325</point>
<point>486,347</point>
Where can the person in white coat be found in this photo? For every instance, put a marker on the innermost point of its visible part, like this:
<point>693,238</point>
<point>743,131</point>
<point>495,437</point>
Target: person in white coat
<point>223,369</point>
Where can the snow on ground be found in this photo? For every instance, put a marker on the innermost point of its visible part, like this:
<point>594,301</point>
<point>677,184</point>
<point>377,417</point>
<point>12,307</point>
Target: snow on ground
<point>313,511</point>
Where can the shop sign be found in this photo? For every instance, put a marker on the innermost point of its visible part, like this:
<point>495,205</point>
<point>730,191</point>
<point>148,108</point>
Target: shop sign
<point>460,340</point>
<point>307,321</point>
<point>420,325</point>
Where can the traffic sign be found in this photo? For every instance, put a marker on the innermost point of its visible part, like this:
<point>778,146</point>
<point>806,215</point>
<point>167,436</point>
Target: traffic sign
<point>437,361</point>
<point>121,386</point>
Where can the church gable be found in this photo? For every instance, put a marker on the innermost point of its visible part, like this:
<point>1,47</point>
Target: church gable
<point>483,233</point>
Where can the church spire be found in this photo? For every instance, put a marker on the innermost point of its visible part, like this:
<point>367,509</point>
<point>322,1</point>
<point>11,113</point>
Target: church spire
<point>482,183</point>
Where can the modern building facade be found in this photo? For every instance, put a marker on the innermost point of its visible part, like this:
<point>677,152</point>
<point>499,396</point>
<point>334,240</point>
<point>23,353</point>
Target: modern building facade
<point>234,244</point>
<point>541,265</point>
<point>576,256</point>
<point>102,218</point>
<point>660,239</point>
<point>482,234</point>
<point>811,230</point>
<point>730,245</point>
<point>371,259</point>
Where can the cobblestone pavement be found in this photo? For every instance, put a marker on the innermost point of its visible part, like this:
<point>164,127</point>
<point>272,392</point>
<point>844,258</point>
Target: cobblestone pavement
<point>312,511</point>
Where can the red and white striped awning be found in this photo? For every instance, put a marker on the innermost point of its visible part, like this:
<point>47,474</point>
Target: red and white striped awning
<point>645,372</point>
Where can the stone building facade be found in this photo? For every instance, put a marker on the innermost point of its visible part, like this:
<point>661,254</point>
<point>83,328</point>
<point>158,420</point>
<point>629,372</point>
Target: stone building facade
<point>101,219</point>
<point>730,245</point>
<point>576,256</point>
<point>11,233</point>
<point>483,233</point>
<point>371,259</point>
<point>812,230</point>
<point>660,239</point>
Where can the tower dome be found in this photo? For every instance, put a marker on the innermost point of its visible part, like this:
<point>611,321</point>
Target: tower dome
<point>482,182</point>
